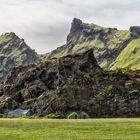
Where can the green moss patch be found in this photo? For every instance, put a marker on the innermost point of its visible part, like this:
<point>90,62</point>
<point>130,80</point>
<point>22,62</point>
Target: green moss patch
<point>129,57</point>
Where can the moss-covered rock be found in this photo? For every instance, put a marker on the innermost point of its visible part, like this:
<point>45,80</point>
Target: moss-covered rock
<point>14,52</point>
<point>55,116</point>
<point>73,115</point>
<point>109,44</point>
<point>84,115</point>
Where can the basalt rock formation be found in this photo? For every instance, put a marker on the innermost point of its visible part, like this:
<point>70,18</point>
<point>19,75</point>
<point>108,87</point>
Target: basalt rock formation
<point>13,53</point>
<point>72,83</point>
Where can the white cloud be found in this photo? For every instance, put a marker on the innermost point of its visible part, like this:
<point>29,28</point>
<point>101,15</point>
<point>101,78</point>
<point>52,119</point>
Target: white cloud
<point>44,24</point>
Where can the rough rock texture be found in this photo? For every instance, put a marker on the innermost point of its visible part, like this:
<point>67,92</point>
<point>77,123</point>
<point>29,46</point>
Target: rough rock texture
<point>135,30</point>
<point>14,52</point>
<point>108,43</point>
<point>77,25</point>
<point>72,83</point>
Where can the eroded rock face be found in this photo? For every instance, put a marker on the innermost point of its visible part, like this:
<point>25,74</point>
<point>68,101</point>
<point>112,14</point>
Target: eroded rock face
<point>135,30</point>
<point>72,83</point>
<point>76,25</point>
<point>107,43</point>
<point>14,52</point>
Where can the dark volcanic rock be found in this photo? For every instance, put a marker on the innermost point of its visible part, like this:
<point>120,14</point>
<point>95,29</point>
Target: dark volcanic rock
<point>135,31</point>
<point>72,83</point>
<point>76,25</point>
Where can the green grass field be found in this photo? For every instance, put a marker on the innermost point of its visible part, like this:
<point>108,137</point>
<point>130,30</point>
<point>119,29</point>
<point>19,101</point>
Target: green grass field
<point>90,129</point>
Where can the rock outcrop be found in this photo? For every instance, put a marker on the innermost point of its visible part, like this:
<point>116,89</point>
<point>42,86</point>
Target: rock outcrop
<point>108,44</point>
<point>77,25</point>
<point>72,83</point>
<point>135,31</point>
<point>14,52</point>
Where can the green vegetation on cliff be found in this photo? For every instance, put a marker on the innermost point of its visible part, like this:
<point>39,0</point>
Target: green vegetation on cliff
<point>129,57</point>
<point>117,37</point>
<point>108,44</point>
<point>85,45</point>
<point>14,52</point>
<point>5,38</point>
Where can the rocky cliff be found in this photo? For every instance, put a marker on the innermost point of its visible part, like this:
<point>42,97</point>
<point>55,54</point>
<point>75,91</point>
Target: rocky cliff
<point>69,79</point>
<point>14,52</point>
<point>72,83</point>
<point>113,48</point>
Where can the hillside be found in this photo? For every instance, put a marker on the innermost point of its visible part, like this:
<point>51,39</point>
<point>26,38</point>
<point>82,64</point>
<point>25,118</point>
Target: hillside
<point>14,52</point>
<point>71,78</point>
<point>72,83</point>
<point>129,57</point>
<point>113,48</point>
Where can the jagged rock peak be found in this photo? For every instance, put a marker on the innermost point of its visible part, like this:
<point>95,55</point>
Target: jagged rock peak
<point>9,34</point>
<point>9,37</point>
<point>14,52</point>
<point>76,25</point>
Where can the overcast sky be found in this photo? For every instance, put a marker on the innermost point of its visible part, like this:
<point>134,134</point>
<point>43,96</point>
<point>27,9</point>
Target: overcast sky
<point>44,24</point>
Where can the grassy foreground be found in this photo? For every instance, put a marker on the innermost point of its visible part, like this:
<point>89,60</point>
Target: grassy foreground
<point>91,129</point>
